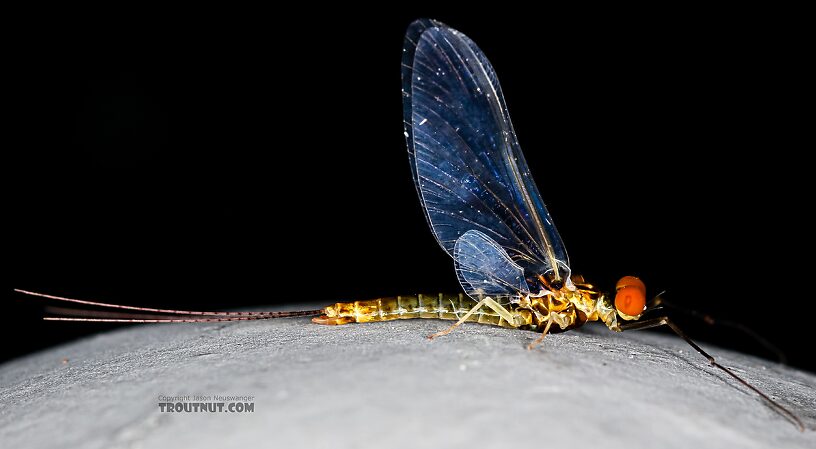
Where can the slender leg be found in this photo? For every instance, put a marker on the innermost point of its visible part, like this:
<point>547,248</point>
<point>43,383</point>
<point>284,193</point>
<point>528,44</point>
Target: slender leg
<point>658,301</point>
<point>461,320</point>
<point>543,334</point>
<point>486,301</point>
<point>501,310</point>
<point>665,321</point>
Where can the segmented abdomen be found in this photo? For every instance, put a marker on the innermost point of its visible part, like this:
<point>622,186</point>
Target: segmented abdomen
<point>441,307</point>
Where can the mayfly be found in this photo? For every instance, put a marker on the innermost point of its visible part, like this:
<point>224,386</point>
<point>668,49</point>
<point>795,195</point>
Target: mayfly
<point>483,208</point>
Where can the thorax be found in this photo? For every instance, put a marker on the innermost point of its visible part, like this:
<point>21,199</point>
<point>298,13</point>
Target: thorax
<point>572,308</point>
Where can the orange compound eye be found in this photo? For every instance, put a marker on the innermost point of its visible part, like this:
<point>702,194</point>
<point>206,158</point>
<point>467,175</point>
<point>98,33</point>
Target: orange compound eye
<point>631,281</point>
<point>630,301</point>
<point>631,296</point>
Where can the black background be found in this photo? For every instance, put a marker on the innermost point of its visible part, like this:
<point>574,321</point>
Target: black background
<point>212,159</point>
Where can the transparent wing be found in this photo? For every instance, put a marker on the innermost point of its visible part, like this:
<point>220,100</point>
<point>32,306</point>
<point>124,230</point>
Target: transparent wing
<point>484,268</point>
<point>467,164</point>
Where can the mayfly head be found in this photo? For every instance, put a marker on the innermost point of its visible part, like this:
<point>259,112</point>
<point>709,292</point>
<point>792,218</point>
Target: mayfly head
<point>630,297</point>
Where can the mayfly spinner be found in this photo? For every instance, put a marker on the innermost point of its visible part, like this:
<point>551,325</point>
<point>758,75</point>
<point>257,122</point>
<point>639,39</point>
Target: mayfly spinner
<point>484,209</point>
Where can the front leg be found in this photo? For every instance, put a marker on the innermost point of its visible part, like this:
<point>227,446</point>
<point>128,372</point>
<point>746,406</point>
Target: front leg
<point>665,321</point>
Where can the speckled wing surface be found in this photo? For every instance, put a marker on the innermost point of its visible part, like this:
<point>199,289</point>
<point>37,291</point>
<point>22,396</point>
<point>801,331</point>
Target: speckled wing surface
<point>468,167</point>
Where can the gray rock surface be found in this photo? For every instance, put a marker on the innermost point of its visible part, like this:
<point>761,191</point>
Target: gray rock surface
<point>385,385</point>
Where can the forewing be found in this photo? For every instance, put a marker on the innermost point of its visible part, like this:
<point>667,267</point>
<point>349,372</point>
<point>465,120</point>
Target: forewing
<point>467,164</point>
